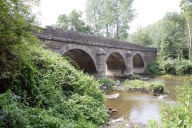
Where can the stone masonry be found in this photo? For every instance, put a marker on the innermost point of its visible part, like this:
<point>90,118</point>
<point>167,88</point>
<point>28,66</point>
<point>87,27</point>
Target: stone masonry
<point>98,55</point>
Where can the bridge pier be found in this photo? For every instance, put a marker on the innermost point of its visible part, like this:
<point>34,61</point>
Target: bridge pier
<point>129,63</point>
<point>100,64</point>
<point>100,55</point>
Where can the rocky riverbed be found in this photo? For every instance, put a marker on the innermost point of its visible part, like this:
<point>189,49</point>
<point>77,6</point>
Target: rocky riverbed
<point>124,123</point>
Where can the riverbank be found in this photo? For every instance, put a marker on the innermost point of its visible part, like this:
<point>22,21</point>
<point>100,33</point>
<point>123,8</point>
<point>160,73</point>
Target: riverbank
<point>124,123</point>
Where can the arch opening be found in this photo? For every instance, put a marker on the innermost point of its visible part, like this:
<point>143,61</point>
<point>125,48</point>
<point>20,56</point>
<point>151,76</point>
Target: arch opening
<point>82,59</point>
<point>115,64</point>
<point>138,61</point>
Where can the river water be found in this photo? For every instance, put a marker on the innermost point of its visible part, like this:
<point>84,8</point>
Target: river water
<point>143,107</point>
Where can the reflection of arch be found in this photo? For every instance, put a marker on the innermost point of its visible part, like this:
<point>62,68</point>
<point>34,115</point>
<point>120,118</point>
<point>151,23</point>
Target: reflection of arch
<point>81,55</point>
<point>138,61</point>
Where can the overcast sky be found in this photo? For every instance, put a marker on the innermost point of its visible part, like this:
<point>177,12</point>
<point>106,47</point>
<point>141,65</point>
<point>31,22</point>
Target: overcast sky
<point>149,11</point>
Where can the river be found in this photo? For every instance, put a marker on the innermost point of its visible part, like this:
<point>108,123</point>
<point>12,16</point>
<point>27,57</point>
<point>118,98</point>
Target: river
<point>143,107</point>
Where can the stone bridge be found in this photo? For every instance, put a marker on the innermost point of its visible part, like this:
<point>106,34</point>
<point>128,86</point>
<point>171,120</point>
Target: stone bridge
<point>98,55</point>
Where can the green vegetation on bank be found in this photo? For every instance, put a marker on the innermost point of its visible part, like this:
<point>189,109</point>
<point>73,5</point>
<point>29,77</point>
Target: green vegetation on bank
<point>179,115</point>
<point>170,66</point>
<point>106,82</point>
<point>39,88</point>
<point>141,86</point>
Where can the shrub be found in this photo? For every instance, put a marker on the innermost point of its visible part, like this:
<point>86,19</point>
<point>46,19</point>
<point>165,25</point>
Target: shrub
<point>175,67</point>
<point>106,81</point>
<point>157,87</point>
<point>49,92</point>
<point>154,68</point>
<point>143,86</point>
<point>180,114</point>
<point>39,88</point>
<point>152,124</point>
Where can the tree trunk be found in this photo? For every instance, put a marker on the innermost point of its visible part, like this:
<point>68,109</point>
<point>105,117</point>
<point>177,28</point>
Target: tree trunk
<point>189,32</point>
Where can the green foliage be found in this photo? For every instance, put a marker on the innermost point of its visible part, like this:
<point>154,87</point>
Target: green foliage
<point>169,66</point>
<point>135,84</point>
<point>106,81</point>
<point>180,114</point>
<point>143,37</point>
<point>107,18</point>
<point>154,68</point>
<point>182,67</point>
<point>16,23</point>
<point>39,88</point>
<point>143,86</point>
<point>169,35</point>
<point>157,87</point>
<point>152,124</point>
<point>73,22</point>
<point>55,91</point>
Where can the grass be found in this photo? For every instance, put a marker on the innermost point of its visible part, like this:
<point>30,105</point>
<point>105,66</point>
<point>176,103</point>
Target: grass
<point>140,86</point>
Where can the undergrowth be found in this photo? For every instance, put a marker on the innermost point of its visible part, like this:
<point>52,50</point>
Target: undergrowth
<point>141,86</point>
<point>49,92</point>
<point>39,88</point>
<point>179,115</point>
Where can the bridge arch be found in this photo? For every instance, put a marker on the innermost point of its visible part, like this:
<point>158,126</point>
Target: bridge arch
<point>138,63</point>
<point>138,60</point>
<point>115,63</point>
<point>81,55</point>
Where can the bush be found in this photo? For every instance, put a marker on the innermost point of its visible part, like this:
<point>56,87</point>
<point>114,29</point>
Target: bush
<point>180,114</point>
<point>49,92</point>
<point>152,124</point>
<point>154,68</point>
<point>143,86</point>
<point>157,87</point>
<point>106,81</point>
<point>175,67</point>
<point>39,88</point>
<point>169,67</point>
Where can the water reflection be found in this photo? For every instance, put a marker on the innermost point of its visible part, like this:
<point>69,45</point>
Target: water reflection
<point>140,107</point>
<point>143,107</point>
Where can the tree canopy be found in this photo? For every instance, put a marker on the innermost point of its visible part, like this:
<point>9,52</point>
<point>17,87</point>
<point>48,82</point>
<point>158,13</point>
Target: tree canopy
<point>110,18</point>
<point>73,22</point>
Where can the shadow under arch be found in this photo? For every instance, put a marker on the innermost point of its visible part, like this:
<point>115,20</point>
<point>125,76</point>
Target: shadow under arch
<point>138,61</point>
<point>82,59</point>
<point>115,64</point>
<point>82,50</point>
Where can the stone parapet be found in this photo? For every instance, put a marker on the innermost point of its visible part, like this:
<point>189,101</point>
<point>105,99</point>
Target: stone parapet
<point>58,34</point>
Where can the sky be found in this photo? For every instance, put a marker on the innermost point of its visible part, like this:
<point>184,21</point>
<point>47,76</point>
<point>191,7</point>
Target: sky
<point>148,11</point>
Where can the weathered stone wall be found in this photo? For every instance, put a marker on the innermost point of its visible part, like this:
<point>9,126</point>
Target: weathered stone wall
<point>101,50</point>
<point>83,38</point>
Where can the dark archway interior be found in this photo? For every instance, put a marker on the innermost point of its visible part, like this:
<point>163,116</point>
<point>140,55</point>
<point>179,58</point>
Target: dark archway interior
<point>82,59</point>
<point>115,62</point>
<point>138,61</point>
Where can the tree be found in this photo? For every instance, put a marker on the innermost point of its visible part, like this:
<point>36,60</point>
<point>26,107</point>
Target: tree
<point>93,13</point>
<point>110,17</point>
<point>62,21</point>
<point>186,7</point>
<point>16,25</point>
<point>143,37</point>
<point>173,35</point>
<point>167,34</point>
<point>73,22</point>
